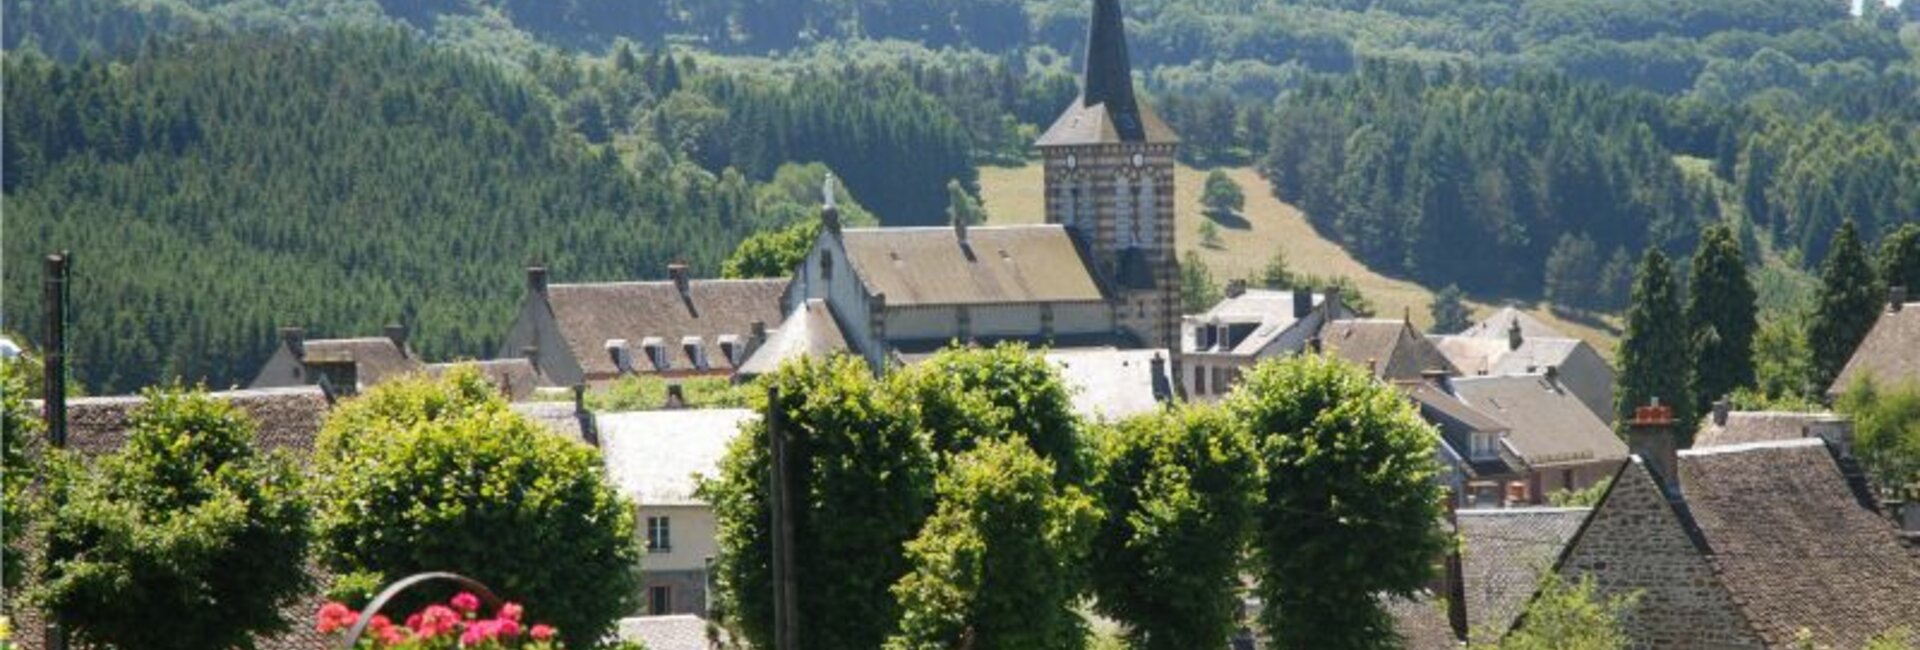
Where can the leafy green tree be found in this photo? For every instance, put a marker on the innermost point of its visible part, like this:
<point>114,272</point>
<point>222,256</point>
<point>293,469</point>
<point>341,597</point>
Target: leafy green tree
<point>1449,311</point>
<point>1198,290</point>
<point>191,539</point>
<point>1178,491</point>
<point>1849,302</point>
<point>1222,194</point>
<point>439,475</point>
<point>862,484</point>
<point>1899,260</point>
<point>1210,235</point>
<point>999,564</point>
<point>1569,272</point>
<point>962,207</point>
<point>969,394</point>
<point>1654,360</point>
<point>644,392</point>
<point>18,424</point>
<point>1350,504</point>
<point>1567,615</point>
<point>1721,317</point>
<point>1782,359</point>
<point>771,253</point>
<point>1886,432</point>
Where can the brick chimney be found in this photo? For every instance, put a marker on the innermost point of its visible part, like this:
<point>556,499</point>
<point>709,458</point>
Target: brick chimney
<point>829,207</point>
<point>537,279</point>
<point>678,272</point>
<point>1302,303</point>
<point>1650,436</point>
<point>295,338</point>
<point>1896,297</point>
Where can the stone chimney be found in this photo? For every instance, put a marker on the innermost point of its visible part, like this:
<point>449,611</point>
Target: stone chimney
<point>676,398</point>
<point>1650,436</point>
<point>1333,305</point>
<point>1302,303</point>
<point>1514,336</point>
<point>537,279</point>
<point>829,207</point>
<point>756,336</point>
<point>678,272</point>
<point>1552,374</point>
<point>1236,288</point>
<point>295,338</point>
<point>1835,430</point>
<point>1162,387</point>
<point>398,334</point>
<point>1722,408</point>
<point>1896,297</point>
<point>960,228</point>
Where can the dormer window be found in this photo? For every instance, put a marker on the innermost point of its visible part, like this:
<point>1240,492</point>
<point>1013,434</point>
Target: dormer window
<point>696,351</point>
<point>730,348</point>
<point>622,356</point>
<point>1486,445</point>
<point>656,350</point>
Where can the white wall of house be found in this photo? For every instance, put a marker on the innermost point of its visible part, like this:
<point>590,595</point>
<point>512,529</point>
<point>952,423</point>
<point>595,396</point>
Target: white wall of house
<point>691,535</point>
<point>843,293</point>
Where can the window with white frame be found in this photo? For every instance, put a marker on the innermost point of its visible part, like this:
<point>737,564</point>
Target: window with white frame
<point>1485,445</point>
<point>659,534</point>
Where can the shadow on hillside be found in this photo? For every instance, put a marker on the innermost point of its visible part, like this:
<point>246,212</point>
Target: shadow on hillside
<point>1228,219</point>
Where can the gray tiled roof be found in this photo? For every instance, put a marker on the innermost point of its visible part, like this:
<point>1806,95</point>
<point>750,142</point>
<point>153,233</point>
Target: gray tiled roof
<point>1792,542</point>
<point>1504,555</point>
<point>1457,422</point>
<point>589,315</point>
<point>1114,384</point>
<point>998,264</point>
<point>1270,312</point>
<point>1496,326</point>
<point>653,456</point>
<point>561,418</point>
<point>515,377</point>
<point>1756,426</point>
<point>375,358</point>
<point>1392,347</point>
<point>1890,353</point>
<point>286,418</point>
<point>809,331</point>
<point>1549,425</point>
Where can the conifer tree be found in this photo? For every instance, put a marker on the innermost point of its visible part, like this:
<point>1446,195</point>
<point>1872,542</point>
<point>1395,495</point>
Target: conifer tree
<point>1899,261</point>
<point>1653,355</point>
<point>1849,302</point>
<point>1450,313</point>
<point>1721,319</point>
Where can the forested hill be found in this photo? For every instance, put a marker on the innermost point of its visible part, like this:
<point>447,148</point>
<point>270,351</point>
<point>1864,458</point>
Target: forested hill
<point>213,190</point>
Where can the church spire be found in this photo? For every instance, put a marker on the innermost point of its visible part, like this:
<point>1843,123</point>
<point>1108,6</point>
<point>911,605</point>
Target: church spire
<point>1108,78</point>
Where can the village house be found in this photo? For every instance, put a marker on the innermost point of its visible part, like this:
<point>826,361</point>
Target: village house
<point>348,366</point>
<point>672,329</point>
<point>1890,354</point>
<point>1111,385</point>
<point>1747,545</point>
<point>1245,328</point>
<point>808,331</point>
<point>1510,342</point>
<point>1558,443</point>
<point>654,457</point>
<point>1391,350</point>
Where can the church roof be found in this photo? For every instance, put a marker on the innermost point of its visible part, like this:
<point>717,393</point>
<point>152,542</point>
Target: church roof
<point>1107,111</point>
<point>995,265</point>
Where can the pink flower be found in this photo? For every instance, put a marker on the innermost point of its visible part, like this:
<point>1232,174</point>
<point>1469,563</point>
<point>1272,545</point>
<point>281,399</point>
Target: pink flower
<point>506,628</point>
<point>334,616</point>
<point>413,621</point>
<point>510,612</point>
<point>479,632</point>
<point>435,620</point>
<point>466,602</point>
<point>380,622</point>
<point>542,632</point>
<point>393,636</point>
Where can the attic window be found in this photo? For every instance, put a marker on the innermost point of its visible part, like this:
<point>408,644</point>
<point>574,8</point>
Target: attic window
<point>826,266</point>
<point>730,348</point>
<point>1484,445</point>
<point>656,353</point>
<point>696,351</point>
<point>621,354</point>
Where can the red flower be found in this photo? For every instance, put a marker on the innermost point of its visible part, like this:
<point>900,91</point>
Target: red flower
<point>466,602</point>
<point>510,612</point>
<point>507,628</point>
<point>479,632</point>
<point>393,636</point>
<point>436,620</point>
<point>334,616</point>
<point>542,632</point>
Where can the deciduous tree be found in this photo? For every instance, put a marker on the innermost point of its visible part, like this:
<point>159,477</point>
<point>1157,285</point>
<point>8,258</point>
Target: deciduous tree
<point>1222,194</point>
<point>1899,260</point>
<point>969,394</point>
<point>1449,311</point>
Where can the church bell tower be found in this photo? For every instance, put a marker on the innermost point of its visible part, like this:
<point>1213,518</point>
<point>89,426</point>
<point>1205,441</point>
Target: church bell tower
<point>1109,179</point>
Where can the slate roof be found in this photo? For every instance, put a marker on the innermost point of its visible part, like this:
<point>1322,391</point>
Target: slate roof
<point>809,331</point>
<point>1475,355</point>
<point>1890,353</point>
<point>1270,312</point>
<point>1792,542</point>
<point>1107,111</point>
<point>653,456</point>
<point>1421,622</point>
<point>1756,426</point>
<point>1504,554</point>
<point>1549,425</point>
<point>1392,347</point>
<point>517,378</point>
<point>561,418</point>
<point>1496,325</point>
<point>375,358</point>
<point>1114,384</point>
<point>1457,422</point>
<point>286,418</point>
<point>589,315</point>
<point>676,632</point>
<point>997,265</point>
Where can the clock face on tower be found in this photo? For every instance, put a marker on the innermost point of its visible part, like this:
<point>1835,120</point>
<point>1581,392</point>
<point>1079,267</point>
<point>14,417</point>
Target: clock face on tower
<point>1139,160</point>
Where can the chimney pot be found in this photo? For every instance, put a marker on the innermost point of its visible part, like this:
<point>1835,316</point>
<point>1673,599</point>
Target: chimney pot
<point>1896,297</point>
<point>1650,436</point>
<point>537,279</point>
<point>1334,308</point>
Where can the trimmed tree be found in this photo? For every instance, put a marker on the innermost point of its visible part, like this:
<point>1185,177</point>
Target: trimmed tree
<point>1222,195</point>
<point>192,540</point>
<point>1899,260</point>
<point>1850,300</point>
<point>1653,356</point>
<point>1449,311</point>
<point>1721,320</point>
<point>439,475</point>
<point>1178,489</point>
<point>1351,501</point>
<point>999,564</point>
<point>962,207</point>
<point>20,424</point>
<point>970,394</point>
<point>862,484</point>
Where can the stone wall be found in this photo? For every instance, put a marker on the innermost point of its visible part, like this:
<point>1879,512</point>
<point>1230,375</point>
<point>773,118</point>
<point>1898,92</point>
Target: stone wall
<point>687,591</point>
<point>1635,543</point>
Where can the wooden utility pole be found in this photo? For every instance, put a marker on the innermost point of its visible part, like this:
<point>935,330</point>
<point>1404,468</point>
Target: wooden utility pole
<point>785,589</point>
<point>54,303</point>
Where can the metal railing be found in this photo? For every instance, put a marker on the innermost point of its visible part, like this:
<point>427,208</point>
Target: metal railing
<point>487,599</point>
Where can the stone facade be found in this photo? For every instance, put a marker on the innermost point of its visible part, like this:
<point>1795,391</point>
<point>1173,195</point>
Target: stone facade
<point>1119,199</point>
<point>1636,543</point>
<point>687,592</point>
